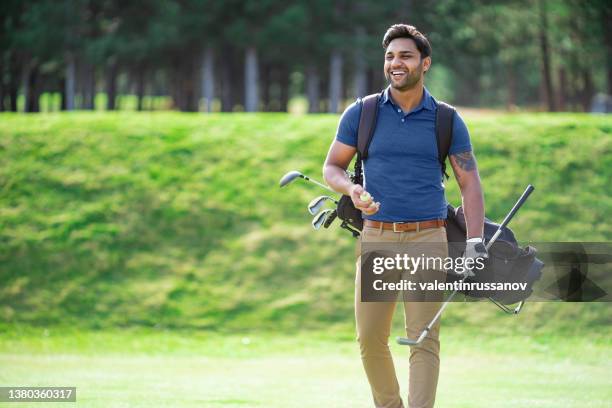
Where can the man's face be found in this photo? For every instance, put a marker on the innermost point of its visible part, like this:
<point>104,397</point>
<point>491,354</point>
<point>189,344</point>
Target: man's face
<point>404,67</point>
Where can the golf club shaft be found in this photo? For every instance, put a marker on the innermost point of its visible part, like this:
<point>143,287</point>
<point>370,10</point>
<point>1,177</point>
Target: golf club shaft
<point>510,215</point>
<point>317,183</point>
<point>363,175</point>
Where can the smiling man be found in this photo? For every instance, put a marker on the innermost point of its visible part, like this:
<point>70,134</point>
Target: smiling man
<point>406,204</point>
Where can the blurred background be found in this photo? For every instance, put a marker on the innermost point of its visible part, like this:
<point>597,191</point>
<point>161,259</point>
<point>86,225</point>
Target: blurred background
<point>302,56</point>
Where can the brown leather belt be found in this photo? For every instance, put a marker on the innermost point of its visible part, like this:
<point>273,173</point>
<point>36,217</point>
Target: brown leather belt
<point>405,226</point>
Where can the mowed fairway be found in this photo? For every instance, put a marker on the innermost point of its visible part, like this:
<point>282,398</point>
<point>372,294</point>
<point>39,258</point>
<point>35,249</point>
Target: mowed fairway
<point>194,369</point>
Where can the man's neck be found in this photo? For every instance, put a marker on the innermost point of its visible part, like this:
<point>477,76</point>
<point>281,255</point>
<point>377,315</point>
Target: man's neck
<point>408,99</point>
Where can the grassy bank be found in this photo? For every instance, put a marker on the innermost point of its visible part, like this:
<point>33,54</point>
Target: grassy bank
<point>176,220</point>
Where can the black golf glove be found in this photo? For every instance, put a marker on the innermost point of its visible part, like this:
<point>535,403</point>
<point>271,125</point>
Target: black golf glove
<point>474,250</point>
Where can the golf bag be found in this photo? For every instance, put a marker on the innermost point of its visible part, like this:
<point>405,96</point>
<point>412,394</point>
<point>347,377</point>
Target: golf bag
<point>507,263</point>
<point>351,217</point>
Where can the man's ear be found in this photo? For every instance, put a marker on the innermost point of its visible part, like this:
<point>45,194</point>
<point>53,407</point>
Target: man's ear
<point>426,64</point>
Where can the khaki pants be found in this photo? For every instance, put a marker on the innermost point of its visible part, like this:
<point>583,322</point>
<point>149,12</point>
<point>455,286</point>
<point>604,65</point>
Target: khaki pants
<point>374,326</point>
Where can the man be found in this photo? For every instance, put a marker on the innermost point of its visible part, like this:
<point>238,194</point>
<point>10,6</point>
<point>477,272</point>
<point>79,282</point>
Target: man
<point>406,203</point>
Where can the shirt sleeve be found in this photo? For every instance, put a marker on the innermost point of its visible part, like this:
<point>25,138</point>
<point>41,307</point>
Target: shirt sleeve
<point>461,137</point>
<point>349,122</point>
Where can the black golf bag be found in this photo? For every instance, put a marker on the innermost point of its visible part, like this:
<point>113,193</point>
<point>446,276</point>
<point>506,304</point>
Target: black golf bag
<point>507,263</point>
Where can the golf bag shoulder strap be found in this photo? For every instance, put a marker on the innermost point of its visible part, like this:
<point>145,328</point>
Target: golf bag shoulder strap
<point>367,123</point>
<point>444,132</point>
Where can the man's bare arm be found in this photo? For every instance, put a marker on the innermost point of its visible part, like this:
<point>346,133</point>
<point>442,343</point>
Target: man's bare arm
<point>337,161</point>
<point>466,173</point>
<point>334,173</point>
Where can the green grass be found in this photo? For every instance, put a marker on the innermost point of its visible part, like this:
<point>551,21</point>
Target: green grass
<point>175,220</point>
<point>140,368</point>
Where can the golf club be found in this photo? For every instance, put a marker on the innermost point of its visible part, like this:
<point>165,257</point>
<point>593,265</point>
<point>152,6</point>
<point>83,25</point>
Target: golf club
<point>320,218</point>
<point>292,175</point>
<point>330,219</point>
<point>409,342</point>
<point>317,203</point>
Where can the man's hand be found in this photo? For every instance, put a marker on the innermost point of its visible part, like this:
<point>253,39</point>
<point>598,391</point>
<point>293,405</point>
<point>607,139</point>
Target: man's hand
<point>474,249</point>
<point>363,200</point>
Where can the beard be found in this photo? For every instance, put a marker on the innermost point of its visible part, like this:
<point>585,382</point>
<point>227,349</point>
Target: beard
<point>409,81</point>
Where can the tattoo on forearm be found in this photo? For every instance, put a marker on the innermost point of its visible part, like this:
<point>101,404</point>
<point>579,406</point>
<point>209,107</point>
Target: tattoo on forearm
<point>466,161</point>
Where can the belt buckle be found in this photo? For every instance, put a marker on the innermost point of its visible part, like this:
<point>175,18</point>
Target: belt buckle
<point>395,224</point>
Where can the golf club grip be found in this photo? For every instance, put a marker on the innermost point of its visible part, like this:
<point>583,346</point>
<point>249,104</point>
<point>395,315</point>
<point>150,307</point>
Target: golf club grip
<point>518,205</point>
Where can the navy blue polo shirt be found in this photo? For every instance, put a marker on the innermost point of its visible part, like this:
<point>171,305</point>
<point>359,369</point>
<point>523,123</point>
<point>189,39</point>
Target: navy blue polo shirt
<point>402,170</point>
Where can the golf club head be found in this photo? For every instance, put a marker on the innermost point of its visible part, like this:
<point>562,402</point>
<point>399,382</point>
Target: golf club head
<point>330,219</point>
<point>289,177</point>
<point>407,342</point>
<point>317,203</point>
<point>320,218</point>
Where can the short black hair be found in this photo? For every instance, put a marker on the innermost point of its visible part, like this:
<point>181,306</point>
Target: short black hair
<point>408,31</point>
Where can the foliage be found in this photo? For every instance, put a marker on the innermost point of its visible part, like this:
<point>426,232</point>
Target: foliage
<point>490,47</point>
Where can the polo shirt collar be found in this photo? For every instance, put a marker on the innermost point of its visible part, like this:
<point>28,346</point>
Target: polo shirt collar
<point>427,102</point>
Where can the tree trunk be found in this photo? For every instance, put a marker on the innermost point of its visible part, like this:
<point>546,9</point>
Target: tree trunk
<point>70,82</point>
<point>335,81</point>
<point>187,84</point>
<point>91,86</point>
<point>312,88</point>
<point>511,78</point>
<point>2,87</point>
<point>284,89</point>
<point>562,90</point>
<point>25,84</point>
<point>111,86</point>
<point>324,92</point>
<point>275,83</point>
<point>226,91</point>
<point>208,79</point>
<point>192,83</point>
<point>360,78</point>
<point>587,90</point>
<point>31,87</point>
<point>13,93</point>
<point>606,17</point>
<point>87,85</point>
<point>36,89</point>
<point>176,87</point>
<point>377,80</point>
<point>360,81</point>
<point>574,85</point>
<point>140,81</point>
<point>228,86</point>
<point>266,81</point>
<point>13,82</point>
<point>545,54</point>
<point>251,74</point>
<point>62,89</point>
<point>191,100</point>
